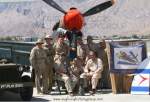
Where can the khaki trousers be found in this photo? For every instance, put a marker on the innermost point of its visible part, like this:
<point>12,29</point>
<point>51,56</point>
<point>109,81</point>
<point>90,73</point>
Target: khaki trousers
<point>92,77</point>
<point>70,83</point>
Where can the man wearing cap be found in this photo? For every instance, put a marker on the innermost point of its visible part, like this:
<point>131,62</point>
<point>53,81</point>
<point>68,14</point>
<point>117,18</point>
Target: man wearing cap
<point>61,51</point>
<point>82,52</point>
<point>60,63</point>
<point>93,70</point>
<point>39,61</point>
<point>72,37</point>
<point>50,54</point>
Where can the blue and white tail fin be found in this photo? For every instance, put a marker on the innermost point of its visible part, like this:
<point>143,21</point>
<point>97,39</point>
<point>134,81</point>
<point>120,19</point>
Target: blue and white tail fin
<point>141,81</point>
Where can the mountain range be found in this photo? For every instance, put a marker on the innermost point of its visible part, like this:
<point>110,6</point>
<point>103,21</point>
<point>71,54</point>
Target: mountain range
<point>34,18</point>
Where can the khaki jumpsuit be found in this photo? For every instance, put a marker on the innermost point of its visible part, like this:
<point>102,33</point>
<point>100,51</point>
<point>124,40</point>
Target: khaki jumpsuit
<point>92,71</point>
<point>50,54</point>
<point>39,62</point>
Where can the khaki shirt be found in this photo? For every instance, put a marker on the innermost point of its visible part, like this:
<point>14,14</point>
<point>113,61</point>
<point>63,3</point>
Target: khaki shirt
<point>50,52</point>
<point>92,47</point>
<point>38,57</point>
<point>61,52</point>
<point>82,51</point>
<point>61,49</point>
<point>74,70</point>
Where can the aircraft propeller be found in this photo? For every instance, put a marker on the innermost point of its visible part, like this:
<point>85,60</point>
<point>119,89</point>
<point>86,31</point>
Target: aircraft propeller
<point>55,5</point>
<point>91,11</point>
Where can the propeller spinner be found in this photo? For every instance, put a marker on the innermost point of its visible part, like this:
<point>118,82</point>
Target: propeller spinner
<point>73,19</point>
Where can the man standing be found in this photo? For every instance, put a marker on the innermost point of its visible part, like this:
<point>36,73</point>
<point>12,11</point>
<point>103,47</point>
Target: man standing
<point>102,54</point>
<point>50,54</point>
<point>60,60</point>
<point>91,45</point>
<point>39,61</point>
<point>82,52</point>
<point>93,70</point>
<point>72,38</point>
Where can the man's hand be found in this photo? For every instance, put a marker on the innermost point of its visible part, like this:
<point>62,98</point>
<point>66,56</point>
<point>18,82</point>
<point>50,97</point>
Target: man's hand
<point>113,1</point>
<point>73,49</point>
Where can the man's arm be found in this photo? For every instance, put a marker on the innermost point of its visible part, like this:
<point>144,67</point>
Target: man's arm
<point>32,58</point>
<point>86,67</point>
<point>100,66</point>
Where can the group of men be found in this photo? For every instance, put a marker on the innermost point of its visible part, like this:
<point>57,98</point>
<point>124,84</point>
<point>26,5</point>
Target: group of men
<point>51,60</point>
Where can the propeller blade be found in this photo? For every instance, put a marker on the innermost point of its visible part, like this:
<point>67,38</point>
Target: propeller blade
<point>55,5</point>
<point>98,8</point>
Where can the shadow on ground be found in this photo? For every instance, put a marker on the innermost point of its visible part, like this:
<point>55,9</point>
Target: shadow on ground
<point>9,96</point>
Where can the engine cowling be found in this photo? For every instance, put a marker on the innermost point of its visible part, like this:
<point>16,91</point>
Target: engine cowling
<point>73,20</point>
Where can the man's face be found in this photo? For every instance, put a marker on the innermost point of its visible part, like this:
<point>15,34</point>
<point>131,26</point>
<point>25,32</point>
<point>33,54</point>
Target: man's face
<point>79,42</point>
<point>61,40</point>
<point>89,41</point>
<point>92,56</point>
<point>102,45</point>
<point>48,40</point>
<point>39,45</point>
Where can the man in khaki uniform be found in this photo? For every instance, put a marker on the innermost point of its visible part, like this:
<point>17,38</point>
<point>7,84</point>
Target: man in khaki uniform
<point>39,61</point>
<point>93,70</point>
<point>82,52</point>
<point>75,69</point>
<point>61,53</point>
<point>50,54</point>
<point>102,54</point>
